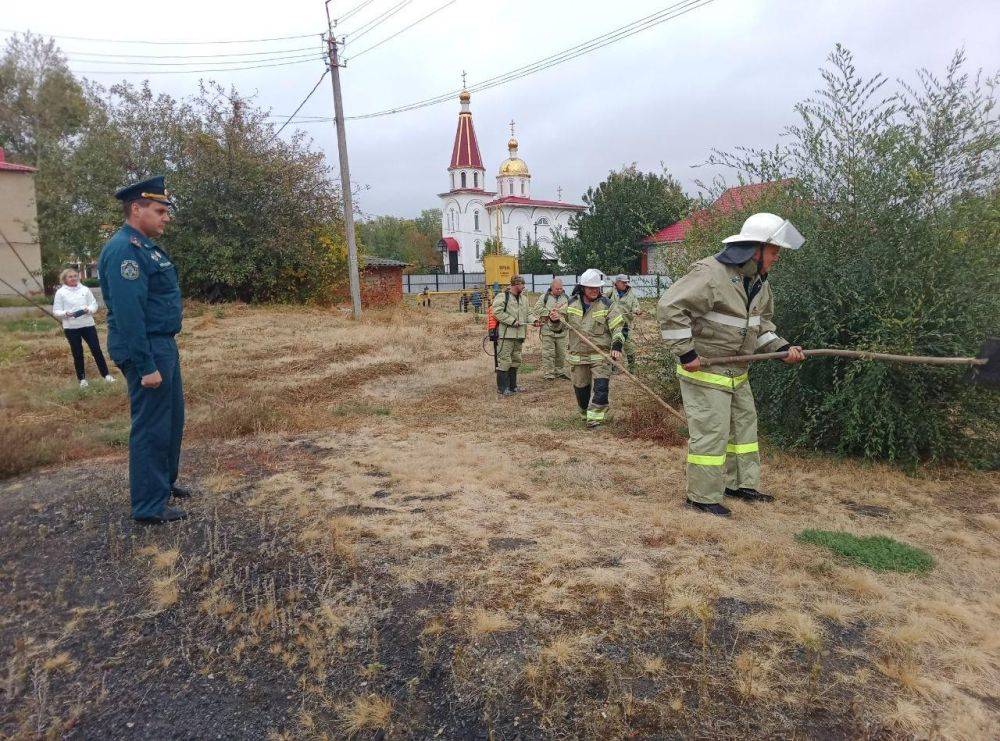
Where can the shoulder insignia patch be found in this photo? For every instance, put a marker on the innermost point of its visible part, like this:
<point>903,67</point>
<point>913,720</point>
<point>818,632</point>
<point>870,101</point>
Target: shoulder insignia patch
<point>135,241</point>
<point>735,279</point>
<point>130,269</point>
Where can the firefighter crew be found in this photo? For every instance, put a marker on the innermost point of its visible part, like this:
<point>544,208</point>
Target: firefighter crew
<point>553,332</point>
<point>140,287</point>
<point>513,317</point>
<point>723,306</point>
<point>621,293</point>
<point>593,314</point>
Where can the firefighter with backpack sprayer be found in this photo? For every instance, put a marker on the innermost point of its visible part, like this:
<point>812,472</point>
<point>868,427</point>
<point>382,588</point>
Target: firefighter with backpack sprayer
<point>512,314</point>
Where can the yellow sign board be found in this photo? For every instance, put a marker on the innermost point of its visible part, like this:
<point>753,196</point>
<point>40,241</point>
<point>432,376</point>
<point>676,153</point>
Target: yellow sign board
<point>499,269</point>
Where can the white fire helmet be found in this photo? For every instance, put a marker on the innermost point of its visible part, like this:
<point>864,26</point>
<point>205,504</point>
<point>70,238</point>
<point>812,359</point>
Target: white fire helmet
<point>768,229</point>
<point>592,278</point>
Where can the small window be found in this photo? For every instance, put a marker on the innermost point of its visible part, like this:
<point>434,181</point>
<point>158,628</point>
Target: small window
<point>479,253</point>
<point>475,218</point>
<point>522,187</point>
<point>519,237</point>
<point>453,181</point>
<point>475,181</point>
<point>463,179</point>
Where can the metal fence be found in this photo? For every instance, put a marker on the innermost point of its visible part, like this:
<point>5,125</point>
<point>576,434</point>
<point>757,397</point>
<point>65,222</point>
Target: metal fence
<point>645,286</point>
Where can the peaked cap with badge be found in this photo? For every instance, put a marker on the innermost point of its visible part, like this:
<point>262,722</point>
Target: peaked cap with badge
<point>152,188</point>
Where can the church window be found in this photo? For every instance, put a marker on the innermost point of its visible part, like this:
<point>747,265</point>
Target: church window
<point>463,179</point>
<point>453,181</point>
<point>454,221</point>
<point>541,222</point>
<point>475,180</point>
<point>519,237</point>
<point>511,186</point>
<point>479,253</point>
<point>522,187</point>
<point>475,217</point>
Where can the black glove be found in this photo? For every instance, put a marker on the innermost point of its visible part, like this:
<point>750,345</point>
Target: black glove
<point>616,346</point>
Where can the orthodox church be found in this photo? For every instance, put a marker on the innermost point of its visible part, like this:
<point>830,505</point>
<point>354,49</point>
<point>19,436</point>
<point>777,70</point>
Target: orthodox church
<point>471,214</point>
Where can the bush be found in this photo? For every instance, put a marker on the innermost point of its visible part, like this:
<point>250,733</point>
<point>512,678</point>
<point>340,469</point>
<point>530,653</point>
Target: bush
<point>899,201</point>
<point>91,282</point>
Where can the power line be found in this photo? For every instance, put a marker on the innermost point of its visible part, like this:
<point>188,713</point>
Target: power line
<point>141,57</point>
<point>202,62</point>
<point>403,30</point>
<point>354,10</point>
<point>188,71</point>
<point>304,101</point>
<point>377,21</point>
<point>165,43</point>
<point>669,13</point>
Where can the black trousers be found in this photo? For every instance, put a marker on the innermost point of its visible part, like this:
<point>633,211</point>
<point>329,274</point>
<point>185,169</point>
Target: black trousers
<point>76,339</point>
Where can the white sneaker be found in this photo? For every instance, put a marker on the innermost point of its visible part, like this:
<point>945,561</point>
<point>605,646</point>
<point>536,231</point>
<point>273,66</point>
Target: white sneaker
<point>109,378</point>
<point>83,383</point>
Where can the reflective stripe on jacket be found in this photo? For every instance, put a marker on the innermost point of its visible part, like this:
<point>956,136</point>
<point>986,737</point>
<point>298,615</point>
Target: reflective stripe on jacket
<point>508,310</point>
<point>601,323</point>
<point>706,311</point>
<point>628,302</point>
<point>546,303</point>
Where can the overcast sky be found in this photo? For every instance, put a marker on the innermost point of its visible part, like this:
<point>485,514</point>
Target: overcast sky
<point>723,75</point>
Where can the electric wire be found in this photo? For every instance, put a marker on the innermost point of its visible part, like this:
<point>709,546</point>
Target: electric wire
<point>141,57</point>
<point>304,101</point>
<point>191,71</point>
<point>202,62</point>
<point>165,43</point>
<point>402,30</point>
<point>377,21</point>
<point>355,9</point>
<point>671,12</point>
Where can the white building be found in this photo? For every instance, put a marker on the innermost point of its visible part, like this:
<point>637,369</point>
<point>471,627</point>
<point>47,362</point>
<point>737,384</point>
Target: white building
<point>470,214</point>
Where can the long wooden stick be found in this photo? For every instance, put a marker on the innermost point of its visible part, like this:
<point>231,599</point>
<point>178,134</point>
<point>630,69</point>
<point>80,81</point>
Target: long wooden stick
<point>856,354</point>
<point>625,370</point>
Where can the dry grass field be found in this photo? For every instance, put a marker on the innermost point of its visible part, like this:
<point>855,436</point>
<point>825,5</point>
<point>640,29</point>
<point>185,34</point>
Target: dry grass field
<point>379,547</point>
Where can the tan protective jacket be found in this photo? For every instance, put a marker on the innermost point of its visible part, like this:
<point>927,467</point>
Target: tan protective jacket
<point>706,311</point>
<point>628,303</point>
<point>546,303</point>
<point>601,323</point>
<point>515,312</point>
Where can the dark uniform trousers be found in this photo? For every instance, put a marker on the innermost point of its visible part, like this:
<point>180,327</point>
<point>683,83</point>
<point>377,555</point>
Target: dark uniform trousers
<point>154,443</point>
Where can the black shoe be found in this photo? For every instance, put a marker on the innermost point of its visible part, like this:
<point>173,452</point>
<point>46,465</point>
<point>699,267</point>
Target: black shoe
<point>179,492</point>
<point>167,514</point>
<point>750,495</point>
<point>502,383</point>
<point>582,397</point>
<point>712,509</point>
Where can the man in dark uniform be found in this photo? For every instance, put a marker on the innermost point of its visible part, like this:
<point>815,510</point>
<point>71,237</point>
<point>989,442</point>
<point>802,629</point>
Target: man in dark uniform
<point>140,287</point>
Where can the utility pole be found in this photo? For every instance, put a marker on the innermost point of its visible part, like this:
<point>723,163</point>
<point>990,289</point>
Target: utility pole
<point>345,170</point>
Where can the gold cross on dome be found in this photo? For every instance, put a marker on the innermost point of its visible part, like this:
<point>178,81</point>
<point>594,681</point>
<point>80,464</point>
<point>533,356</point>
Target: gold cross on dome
<point>512,127</point>
<point>463,79</point>
<point>559,193</point>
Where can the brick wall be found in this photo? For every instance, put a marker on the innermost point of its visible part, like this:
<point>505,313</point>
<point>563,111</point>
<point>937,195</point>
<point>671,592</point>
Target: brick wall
<point>381,285</point>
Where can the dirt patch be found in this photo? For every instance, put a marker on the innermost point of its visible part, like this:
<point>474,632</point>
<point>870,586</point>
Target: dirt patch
<point>646,421</point>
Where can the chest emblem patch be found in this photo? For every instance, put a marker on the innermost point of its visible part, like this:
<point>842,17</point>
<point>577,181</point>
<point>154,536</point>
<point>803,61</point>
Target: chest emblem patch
<point>130,269</point>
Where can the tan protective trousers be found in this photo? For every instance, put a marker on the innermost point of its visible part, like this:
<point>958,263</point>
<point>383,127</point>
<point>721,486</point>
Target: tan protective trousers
<point>722,447</point>
<point>554,354</point>
<point>508,354</point>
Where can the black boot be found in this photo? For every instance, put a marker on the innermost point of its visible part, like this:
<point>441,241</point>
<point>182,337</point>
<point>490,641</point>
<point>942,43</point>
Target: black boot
<point>512,375</point>
<point>751,495</point>
<point>582,398</point>
<point>179,492</point>
<point>167,514</point>
<point>502,382</point>
<point>712,509</point>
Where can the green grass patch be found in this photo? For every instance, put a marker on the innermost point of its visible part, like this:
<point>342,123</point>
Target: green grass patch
<point>29,324</point>
<point>877,552</point>
<point>361,409</point>
<point>15,301</point>
<point>526,368</point>
<point>114,433</point>
<point>558,424</point>
<point>97,387</point>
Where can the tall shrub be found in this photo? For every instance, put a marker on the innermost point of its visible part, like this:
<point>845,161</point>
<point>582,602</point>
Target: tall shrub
<point>898,196</point>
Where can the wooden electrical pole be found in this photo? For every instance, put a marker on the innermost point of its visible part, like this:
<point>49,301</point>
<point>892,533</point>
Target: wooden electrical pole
<point>345,170</point>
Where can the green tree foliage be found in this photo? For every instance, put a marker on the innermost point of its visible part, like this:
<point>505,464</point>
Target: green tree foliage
<point>493,246</point>
<point>413,241</point>
<point>533,261</point>
<point>898,196</point>
<point>42,110</point>
<point>626,207</point>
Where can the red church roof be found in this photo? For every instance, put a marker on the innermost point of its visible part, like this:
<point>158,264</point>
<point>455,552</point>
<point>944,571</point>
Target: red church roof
<point>11,167</point>
<point>465,153</point>
<point>522,201</point>
<point>732,199</point>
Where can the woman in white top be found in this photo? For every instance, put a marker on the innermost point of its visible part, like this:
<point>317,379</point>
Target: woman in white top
<point>76,306</point>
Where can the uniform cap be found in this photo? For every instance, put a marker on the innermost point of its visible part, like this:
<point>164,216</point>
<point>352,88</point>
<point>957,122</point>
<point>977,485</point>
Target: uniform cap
<point>621,278</point>
<point>152,188</point>
<point>515,279</point>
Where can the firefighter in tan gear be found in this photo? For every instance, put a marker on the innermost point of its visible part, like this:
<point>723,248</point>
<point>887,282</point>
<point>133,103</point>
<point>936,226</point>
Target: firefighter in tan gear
<point>593,314</point>
<point>723,306</point>
<point>621,293</point>
<point>553,332</point>
<point>510,308</point>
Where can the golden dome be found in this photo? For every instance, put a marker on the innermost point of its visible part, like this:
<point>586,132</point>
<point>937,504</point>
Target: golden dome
<point>514,166</point>
<point>512,143</point>
<point>465,96</point>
